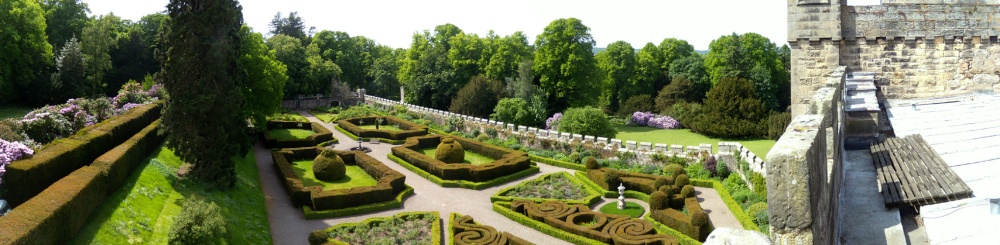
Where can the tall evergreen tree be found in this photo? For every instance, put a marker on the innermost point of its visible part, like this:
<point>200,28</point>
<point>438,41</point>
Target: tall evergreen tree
<point>201,71</point>
<point>70,80</point>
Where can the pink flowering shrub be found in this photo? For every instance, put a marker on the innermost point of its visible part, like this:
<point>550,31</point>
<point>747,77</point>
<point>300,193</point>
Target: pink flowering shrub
<point>640,118</point>
<point>649,119</point>
<point>132,92</point>
<point>11,151</point>
<point>553,122</point>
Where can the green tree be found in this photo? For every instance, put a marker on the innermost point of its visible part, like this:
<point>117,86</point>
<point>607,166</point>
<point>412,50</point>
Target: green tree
<point>464,53</point>
<point>618,62</point>
<point>672,49</point>
<point>731,110</point>
<point>426,72</point>
<point>523,87</point>
<point>508,52</point>
<point>99,37</point>
<point>292,26</point>
<point>648,68</point>
<point>202,73</point>
<point>478,97</point>
<point>692,68</point>
<point>264,79</point>
<point>565,63</point>
<point>587,121</point>
<point>27,54</point>
<point>64,19</point>
<point>345,51</point>
<point>514,110</point>
<point>132,57</point>
<point>289,51</point>
<point>749,56</point>
<point>320,73</point>
<point>680,90</point>
<point>70,77</point>
<point>382,73</point>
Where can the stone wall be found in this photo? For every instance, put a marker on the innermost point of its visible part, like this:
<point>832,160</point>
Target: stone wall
<point>803,206</point>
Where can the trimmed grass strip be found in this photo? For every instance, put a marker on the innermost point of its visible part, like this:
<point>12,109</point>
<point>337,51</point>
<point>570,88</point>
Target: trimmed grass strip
<point>470,157</point>
<point>291,133</point>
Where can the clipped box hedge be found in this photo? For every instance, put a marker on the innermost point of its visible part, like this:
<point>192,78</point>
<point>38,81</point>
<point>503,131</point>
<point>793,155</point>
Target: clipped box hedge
<point>464,183</point>
<point>507,161</point>
<point>435,228</point>
<point>593,197</point>
<point>390,183</point>
<point>409,129</point>
<point>600,228</point>
<point>27,177</point>
<point>60,211</point>
<point>685,224</point>
<point>465,231</point>
<point>321,134</point>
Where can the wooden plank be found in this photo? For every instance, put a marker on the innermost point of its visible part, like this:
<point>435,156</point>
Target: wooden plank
<point>881,176</point>
<point>930,169</point>
<point>910,190</point>
<point>931,186</point>
<point>892,179</point>
<point>955,183</point>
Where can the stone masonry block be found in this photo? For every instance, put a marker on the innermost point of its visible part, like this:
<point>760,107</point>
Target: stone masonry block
<point>790,204</point>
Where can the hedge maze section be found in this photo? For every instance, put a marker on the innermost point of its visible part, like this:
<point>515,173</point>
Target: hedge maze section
<point>322,134</point>
<point>910,172</point>
<point>584,225</point>
<point>390,183</point>
<point>508,162</point>
<point>408,129</point>
<point>465,231</point>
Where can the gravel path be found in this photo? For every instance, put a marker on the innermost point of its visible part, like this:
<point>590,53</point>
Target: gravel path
<point>288,226</point>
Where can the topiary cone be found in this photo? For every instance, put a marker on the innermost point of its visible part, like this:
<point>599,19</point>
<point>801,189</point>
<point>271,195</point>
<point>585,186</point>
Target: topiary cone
<point>449,151</point>
<point>328,166</point>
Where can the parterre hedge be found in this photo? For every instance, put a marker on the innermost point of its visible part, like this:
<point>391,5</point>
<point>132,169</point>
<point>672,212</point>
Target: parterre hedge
<point>58,212</point>
<point>409,129</point>
<point>464,183</point>
<point>579,220</point>
<point>507,161</point>
<point>27,177</point>
<point>309,213</point>
<point>695,224</point>
<point>322,134</point>
<point>465,231</point>
<point>593,197</point>
<point>727,198</point>
<point>316,237</point>
<point>390,182</point>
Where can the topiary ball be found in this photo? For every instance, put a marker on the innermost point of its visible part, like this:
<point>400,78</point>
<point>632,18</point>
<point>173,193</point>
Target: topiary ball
<point>699,218</point>
<point>674,170</point>
<point>328,166</point>
<point>449,151</point>
<point>591,163</point>
<point>660,181</point>
<point>318,237</point>
<point>756,208</point>
<point>687,191</point>
<point>681,181</point>
<point>665,189</point>
<point>658,200</point>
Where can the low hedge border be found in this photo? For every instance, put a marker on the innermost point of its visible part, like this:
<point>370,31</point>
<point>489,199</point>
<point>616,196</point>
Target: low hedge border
<point>727,198</point>
<point>322,214</point>
<point>382,140</point>
<point>321,134</point>
<point>390,182</point>
<point>683,239</point>
<point>590,200</point>
<point>557,163</point>
<point>61,210</point>
<point>582,177</point>
<point>435,229</point>
<point>28,177</point>
<point>408,129</point>
<point>506,161</point>
<point>464,183</point>
<point>503,208</point>
<point>436,131</point>
<point>458,221</point>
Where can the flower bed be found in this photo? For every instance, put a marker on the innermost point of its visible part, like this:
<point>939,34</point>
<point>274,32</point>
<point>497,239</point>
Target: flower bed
<point>555,186</point>
<point>507,161</point>
<point>403,228</point>
<point>390,183</point>
<point>408,129</point>
<point>272,140</point>
<point>465,231</point>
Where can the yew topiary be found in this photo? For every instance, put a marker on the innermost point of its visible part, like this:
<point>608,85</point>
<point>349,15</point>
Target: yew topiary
<point>328,166</point>
<point>449,151</point>
<point>612,177</point>
<point>591,163</point>
<point>699,218</point>
<point>674,170</point>
<point>658,200</point>
<point>318,237</point>
<point>687,191</point>
<point>660,182</point>
<point>681,181</point>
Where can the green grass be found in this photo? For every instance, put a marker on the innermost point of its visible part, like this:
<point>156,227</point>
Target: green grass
<point>291,134</point>
<point>632,209</point>
<point>288,116</point>
<point>470,157</point>
<point>142,211</point>
<point>12,111</point>
<point>355,177</point>
<point>382,127</point>
<point>323,116</point>
<point>686,137</point>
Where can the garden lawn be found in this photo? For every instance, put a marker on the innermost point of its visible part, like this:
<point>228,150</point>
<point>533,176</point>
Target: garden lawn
<point>355,177</point>
<point>685,137</point>
<point>12,111</point>
<point>142,211</point>
<point>382,127</point>
<point>288,116</point>
<point>291,134</point>
<point>323,116</point>
<point>632,209</point>
<point>470,157</point>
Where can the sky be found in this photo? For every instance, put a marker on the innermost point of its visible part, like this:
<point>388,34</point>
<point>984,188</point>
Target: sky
<point>393,23</point>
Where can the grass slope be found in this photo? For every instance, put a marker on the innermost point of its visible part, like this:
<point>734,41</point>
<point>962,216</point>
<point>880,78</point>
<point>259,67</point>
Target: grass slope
<point>355,177</point>
<point>142,211</point>
<point>470,157</point>
<point>323,116</point>
<point>12,111</point>
<point>686,137</point>
<point>291,134</point>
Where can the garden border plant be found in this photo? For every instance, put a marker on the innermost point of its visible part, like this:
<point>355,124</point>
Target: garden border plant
<point>409,129</point>
<point>508,162</point>
<point>558,219</point>
<point>390,183</point>
<point>435,228</point>
<point>321,134</point>
<point>593,198</point>
<point>463,230</point>
<point>464,183</point>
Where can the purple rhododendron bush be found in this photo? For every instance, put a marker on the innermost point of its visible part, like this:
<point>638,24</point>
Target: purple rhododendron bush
<point>652,120</point>
<point>10,151</point>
